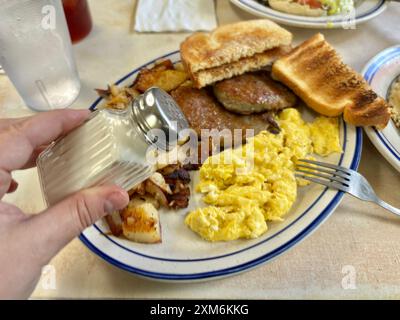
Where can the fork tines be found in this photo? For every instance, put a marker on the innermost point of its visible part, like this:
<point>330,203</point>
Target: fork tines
<point>323,173</point>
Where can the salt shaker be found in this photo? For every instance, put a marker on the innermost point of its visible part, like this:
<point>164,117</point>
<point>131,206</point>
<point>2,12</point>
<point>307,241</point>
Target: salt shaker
<point>111,147</point>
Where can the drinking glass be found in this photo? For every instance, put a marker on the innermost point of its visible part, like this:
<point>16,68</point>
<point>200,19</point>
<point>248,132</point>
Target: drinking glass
<point>36,53</point>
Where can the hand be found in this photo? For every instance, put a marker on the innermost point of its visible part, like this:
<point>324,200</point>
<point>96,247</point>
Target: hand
<point>28,242</point>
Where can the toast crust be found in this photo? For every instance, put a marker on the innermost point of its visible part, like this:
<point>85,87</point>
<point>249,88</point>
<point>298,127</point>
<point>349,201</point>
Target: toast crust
<point>317,74</point>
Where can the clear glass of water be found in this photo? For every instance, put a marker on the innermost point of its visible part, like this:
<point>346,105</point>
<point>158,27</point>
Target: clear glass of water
<point>36,53</point>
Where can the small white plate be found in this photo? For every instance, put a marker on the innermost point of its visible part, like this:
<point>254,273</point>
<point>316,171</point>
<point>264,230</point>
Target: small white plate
<point>184,256</point>
<point>380,72</point>
<point>364,11</point>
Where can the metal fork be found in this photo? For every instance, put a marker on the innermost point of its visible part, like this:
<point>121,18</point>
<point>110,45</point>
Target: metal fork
<point>342,179</point>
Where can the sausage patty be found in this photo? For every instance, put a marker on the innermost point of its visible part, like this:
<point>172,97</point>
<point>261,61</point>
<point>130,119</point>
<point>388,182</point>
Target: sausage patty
<point>252,93</point>
<point>203,111</point>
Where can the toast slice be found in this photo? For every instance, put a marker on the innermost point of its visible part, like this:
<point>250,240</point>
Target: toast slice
<point>256,62</point>
<point>229,44</point>
<point>317,74</point>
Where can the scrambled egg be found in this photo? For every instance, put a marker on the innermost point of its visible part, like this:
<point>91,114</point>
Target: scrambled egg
<point>323,136</point>
<point>253,184</point>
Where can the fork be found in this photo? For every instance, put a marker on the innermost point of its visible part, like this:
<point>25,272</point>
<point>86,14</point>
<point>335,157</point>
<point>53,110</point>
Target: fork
<point>342,179</point>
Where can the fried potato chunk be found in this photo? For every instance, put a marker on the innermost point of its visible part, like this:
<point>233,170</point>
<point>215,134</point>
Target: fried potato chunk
<point>141,223</point>
<point>162,75</point>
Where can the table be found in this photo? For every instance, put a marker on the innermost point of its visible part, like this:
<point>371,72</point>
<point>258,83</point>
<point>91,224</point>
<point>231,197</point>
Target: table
<point>358,238</point>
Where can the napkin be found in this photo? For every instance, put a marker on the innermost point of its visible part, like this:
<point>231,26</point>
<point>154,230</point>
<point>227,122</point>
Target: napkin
<point>175,15</point>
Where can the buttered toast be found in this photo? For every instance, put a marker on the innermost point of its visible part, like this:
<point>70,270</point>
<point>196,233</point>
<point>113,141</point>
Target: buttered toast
<point>317,74</point>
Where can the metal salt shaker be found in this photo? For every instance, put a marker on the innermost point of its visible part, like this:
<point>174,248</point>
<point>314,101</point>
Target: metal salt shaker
<point>110,148</point>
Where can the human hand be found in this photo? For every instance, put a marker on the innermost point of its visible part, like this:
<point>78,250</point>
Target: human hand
<point>28,242</point>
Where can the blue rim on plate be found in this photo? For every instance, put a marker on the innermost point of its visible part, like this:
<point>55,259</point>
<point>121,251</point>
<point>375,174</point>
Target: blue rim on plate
<point>240,267</point>
<point>334,21</point>
<point>369,72</point>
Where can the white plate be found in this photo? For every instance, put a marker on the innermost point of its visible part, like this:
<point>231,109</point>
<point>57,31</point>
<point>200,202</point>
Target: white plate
<point>365,10</point>
<point>380,72</point>
<point>184,256</point>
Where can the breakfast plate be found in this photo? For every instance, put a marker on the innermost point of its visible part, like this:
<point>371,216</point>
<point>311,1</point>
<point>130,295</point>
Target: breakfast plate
<point>380,72</point>
<point>184,256</point>
<point>364,11</point>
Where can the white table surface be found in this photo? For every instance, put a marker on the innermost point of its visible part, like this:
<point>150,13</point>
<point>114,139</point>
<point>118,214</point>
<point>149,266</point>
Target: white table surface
<point>358,234</point>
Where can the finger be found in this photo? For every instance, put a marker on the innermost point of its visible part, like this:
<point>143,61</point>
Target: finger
<point>10,216</point>
<point>5,182</point>
<point>20,139</point>
<point>5,123</point>
<point>58,225</point>
<point>18,268</point>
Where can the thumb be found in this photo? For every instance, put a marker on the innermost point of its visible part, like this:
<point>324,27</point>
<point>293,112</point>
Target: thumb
<point>58,225</point>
